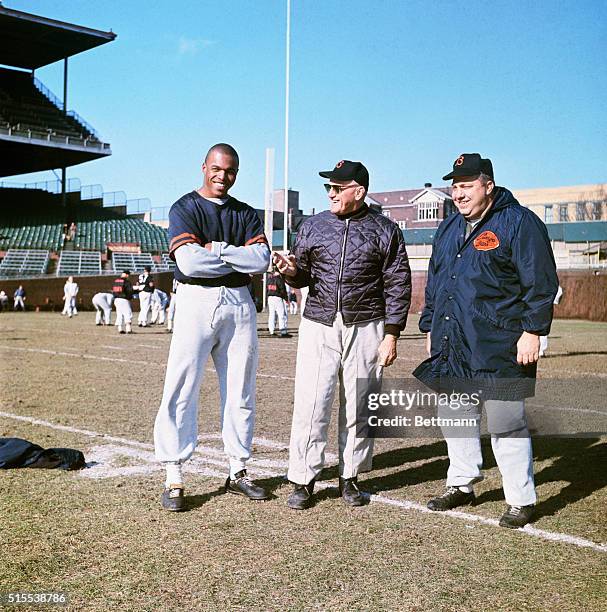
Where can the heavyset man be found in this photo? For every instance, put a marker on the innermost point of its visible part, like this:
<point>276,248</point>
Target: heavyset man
<point>354,261</point>
<point>491,284</point>
<point>217,242</point>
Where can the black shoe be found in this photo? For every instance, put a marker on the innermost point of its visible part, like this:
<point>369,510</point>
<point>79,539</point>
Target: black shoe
<point>243,485</point>
<point>350,493</point>
<point>301,498</point>
<point>451,498</point>
<point>173,499</point>
<point>287,335</point>
<point>516,516</point>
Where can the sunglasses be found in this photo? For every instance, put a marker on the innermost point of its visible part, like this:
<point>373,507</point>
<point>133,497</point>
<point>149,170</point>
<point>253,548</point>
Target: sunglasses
<point>338,188</point>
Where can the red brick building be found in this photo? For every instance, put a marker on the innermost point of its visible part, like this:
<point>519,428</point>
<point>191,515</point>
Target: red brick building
<point>415,208</point>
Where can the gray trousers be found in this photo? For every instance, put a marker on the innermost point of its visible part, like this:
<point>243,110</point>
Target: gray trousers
<point>328,357</point>
<point>511,444</point>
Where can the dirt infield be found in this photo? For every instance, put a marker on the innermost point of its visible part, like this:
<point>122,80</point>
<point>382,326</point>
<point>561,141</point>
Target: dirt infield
<point>100,536</point>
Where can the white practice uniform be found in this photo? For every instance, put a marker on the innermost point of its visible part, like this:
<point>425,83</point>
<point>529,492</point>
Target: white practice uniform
<point>70,291</point>
<point>217,318</point>
<point>145,298</point>
<point>172,305</point>
<point>103,306</point>
<point>159,302</point>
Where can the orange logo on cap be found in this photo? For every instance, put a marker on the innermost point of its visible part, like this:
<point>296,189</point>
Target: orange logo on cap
<point>339,164</point>
<point>459,161</point>
<point>487,241</point>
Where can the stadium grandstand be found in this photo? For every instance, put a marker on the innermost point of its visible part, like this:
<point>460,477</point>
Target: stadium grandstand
<point>59,228</point>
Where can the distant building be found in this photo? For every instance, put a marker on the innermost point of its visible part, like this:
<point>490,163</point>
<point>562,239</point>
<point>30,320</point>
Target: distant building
<point>415,208</point>
<point>566,204</point>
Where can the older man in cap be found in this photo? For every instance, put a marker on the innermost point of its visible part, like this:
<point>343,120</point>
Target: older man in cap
<point>491,283</point>
<point>354,262</point>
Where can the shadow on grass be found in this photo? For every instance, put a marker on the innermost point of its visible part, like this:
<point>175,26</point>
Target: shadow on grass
<point>581,462</point>
<point>196,501</point>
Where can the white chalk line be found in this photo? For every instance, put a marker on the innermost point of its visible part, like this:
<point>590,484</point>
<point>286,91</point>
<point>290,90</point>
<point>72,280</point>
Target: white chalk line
<point>118,359</point>
<point>474,518</point>
<point>577,373</point>
<point>210,370</point>
<point>203,470</point>
<point>567,409</point>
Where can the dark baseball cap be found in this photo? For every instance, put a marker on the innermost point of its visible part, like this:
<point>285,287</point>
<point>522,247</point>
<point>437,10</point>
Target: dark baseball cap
<point>126,272</point>
<point>470,164</point>
<point>346,170</point>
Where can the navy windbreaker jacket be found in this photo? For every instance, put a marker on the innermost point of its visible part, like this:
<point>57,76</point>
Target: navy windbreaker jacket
<point>482,293</point>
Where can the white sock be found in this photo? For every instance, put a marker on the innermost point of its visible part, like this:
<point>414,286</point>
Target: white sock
<point>465,489</point>
<point>174,475</point>
<point>234,470</point>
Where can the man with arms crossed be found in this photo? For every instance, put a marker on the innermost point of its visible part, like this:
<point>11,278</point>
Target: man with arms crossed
<point>217,243</point>
<point>353,260</point>
<point>491,283</point>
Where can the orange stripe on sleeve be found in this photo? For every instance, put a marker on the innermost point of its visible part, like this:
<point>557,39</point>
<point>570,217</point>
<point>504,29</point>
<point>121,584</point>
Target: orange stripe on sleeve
<point>184,239</point>
<point>261,238</point>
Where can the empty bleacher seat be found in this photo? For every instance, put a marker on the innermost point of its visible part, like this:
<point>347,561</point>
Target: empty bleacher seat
<point>79,262</point>
<point>135,262</point>
<point>26,262</point>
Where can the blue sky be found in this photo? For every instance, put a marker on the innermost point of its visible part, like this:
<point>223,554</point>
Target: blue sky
<point>403,85</point>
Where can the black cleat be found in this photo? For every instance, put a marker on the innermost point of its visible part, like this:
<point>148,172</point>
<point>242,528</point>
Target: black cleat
<point>516,516</point>
<point>287,335</point>
<point>301,498</point>
<point>350,493</point>
<point>451,498</point>
<point>243,485</point>
<point>173,499</point>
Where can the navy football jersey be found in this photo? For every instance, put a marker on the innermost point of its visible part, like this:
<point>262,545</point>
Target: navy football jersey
<point>194,219</point>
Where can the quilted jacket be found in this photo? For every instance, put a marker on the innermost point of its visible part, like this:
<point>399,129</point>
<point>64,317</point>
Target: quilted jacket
<point>356,265</point>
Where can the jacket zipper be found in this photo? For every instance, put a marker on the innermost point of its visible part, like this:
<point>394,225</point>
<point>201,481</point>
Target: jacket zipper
<point>341,266</point>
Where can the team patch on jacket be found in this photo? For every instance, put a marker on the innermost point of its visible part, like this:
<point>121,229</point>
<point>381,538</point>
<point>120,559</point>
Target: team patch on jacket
<point>487,241</point>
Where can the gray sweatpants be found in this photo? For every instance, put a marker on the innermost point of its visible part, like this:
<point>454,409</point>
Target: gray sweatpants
<point>217,322</point>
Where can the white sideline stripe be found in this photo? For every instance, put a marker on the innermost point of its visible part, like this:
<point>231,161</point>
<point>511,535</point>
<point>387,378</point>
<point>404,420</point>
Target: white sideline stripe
<point>576,372</point>
<point>116,359</point>
<point>126,441</point>
<point>115,348</point>
<point>407,505</point>
<point>568,409</point>
<point>473,518</point>
<point>212,370</point>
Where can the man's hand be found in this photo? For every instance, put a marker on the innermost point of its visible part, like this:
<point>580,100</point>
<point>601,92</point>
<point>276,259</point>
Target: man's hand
<point>286,265</point>
<point>528,349</point>
<point>387,350</point>
<point>428,345</point>
<point>208,246</point>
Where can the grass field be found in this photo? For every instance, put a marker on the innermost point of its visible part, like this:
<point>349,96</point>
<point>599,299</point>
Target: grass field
<point>100,536</point>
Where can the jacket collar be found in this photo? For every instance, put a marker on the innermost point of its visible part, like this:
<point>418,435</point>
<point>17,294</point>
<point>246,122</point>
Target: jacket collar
<point>359,213</point>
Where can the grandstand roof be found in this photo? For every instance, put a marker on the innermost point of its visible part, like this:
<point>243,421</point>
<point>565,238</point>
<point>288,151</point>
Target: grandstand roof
<point>30,41</point>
